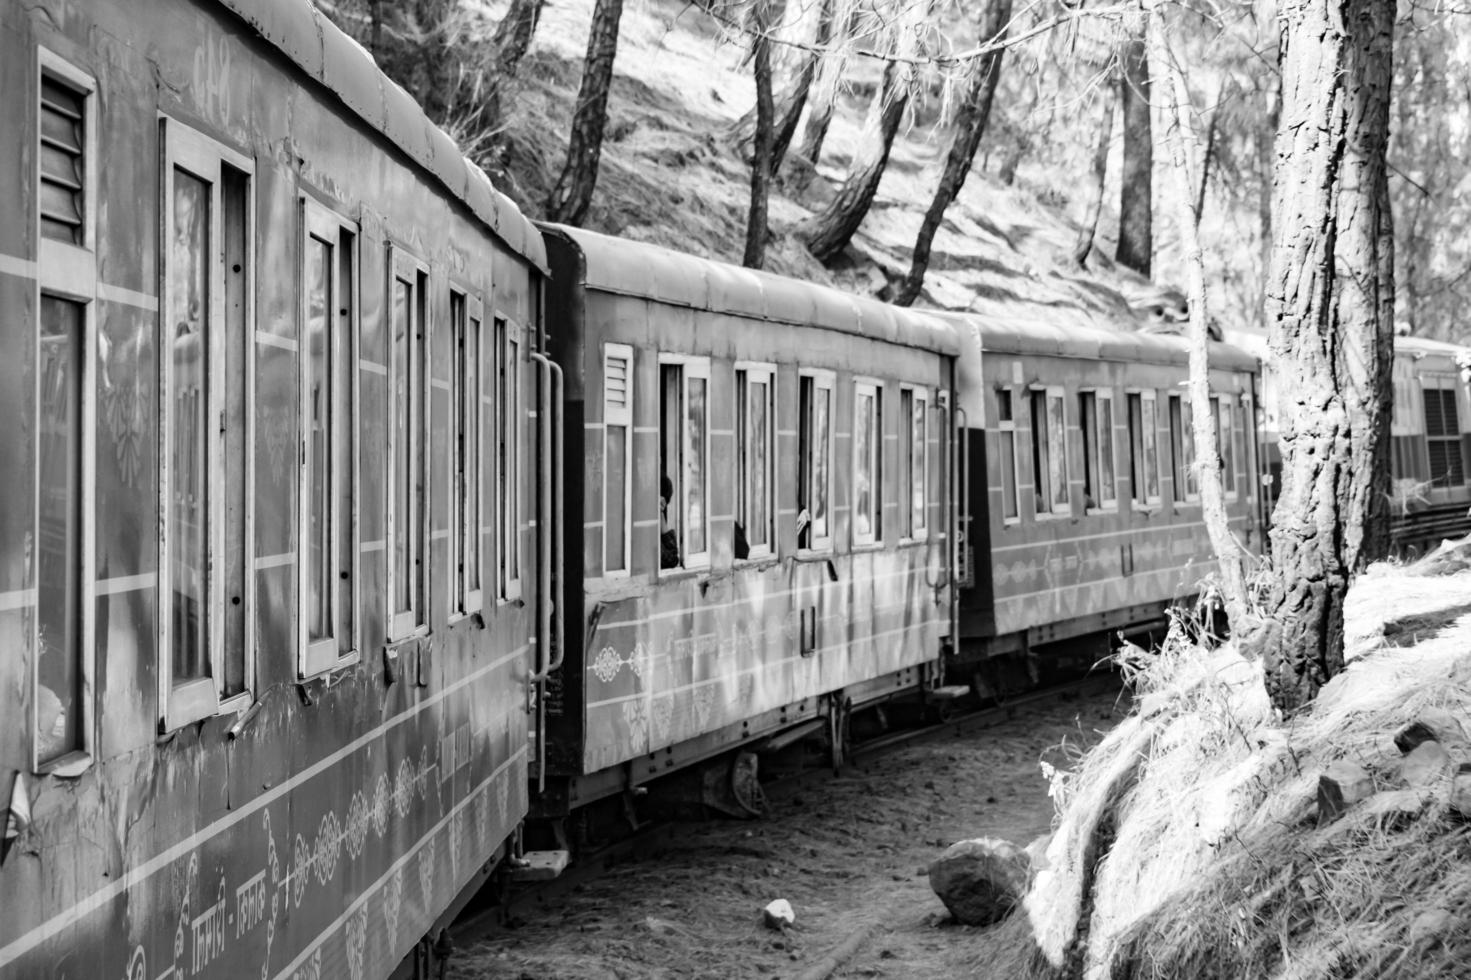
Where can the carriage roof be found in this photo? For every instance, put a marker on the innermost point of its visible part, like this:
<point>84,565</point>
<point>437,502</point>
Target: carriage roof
<point>320,49</point>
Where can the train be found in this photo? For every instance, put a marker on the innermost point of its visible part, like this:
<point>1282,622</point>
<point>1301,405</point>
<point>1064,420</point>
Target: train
<point>364,536</point>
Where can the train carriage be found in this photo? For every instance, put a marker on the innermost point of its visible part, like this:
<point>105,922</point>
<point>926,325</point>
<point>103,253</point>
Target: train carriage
<point>1430,440</point>
<point>1082,505</point>
<point>761,527</point>
<point>268,526</point>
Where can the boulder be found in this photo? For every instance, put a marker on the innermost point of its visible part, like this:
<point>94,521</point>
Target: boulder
<point>1427,766</point>
<point>980,881</point>
<point>778,914</point>
<point>1341,785</point>
<point>1434,725</point>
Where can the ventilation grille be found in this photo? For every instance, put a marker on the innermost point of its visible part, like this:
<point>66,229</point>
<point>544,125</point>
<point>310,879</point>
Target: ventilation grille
<point>61,161</point>
<point>615,382</point>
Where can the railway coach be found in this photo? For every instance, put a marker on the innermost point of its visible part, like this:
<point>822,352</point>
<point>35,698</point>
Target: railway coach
<point>267,565</point>
<point>1081,505</point>
<point>759,525</point>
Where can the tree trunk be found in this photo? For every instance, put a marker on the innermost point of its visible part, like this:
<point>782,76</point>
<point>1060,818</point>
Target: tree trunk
<point>761,157</point>
<point>1331,314</point>
<point>1136,201</point>
<point>1265,135</point>
<point>1099,173</point>
<point>797,98</point>
<point>969,128</point>
<point>1181,139</point>
<point>508,46</point>
<point>570,197</point>
<point>820,111</point>
<point>828,233</point>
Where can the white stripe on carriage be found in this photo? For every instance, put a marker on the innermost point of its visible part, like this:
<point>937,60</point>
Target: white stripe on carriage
<point>372,367</point>
<point>127,297</point>
<point>646,523</point>
<point>1129,531</point>
<point>1203,566</point>
<point>17,599</point>
<point>439,535</point>
<point>765,596</point>
<point>766,665</point>
<point>370,546</point>
<point>14,265</point>
<point>441,384</point>
<point>268,339</point>
<point>397,865</point>
<point>52,926</point>
<point>274,561</point>
<point>126,583</point>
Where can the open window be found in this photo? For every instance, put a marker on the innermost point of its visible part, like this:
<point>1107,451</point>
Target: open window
<point>754,533</point>
<point>1143,448</point>
<point>1223,411</point>
<point>617,457</point>
<point>868,461</point>
<point>1049,451</point>
<point>1182,451</point>
<point>408,530</point>
<point>684,461</point>
<point>814,461</point>
<point>509,418</point>
<point>203,570</point>
<point>467,406</point>
<point>1099,486</point>
<point>1006,452</point>
<point>328,568</point>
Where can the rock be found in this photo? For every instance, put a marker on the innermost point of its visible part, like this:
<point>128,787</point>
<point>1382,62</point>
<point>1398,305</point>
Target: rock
<point>1427,766</point>
<point>778,915</point>
<point>1341,785</point>
<point>980,881</point>
<point>1431,924</point>
<point>1434,725</point>
<point>1461,795</point>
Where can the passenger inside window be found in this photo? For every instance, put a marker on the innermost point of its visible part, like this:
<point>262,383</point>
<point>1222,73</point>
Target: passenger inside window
<point>668,539</point>
<point>740,545</point>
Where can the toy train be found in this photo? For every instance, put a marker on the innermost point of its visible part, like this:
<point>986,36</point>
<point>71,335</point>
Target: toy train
<point>361,532</point>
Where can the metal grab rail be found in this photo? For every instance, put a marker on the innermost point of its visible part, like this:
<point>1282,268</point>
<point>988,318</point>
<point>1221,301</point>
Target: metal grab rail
<point>943,578</point>
<point>544,521</point>
<point>553,643</point>
<point>961,432</point>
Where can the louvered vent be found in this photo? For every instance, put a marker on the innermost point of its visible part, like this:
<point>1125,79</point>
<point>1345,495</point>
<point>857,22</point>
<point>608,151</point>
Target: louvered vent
<point>61,161</point>
<point>615,382</point>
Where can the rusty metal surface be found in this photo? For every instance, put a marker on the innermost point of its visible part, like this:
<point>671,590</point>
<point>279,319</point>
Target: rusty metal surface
<point>344,815</point>
<point>640,269</point>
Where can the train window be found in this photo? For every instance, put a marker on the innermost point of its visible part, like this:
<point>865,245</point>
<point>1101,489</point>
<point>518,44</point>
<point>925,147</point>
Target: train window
<point>1143,447</point>
<point>617,457</point>
<point>755,432</point>
<point>407,416</point>
<point>868,459</point>
<point>1182,451</point>
<point>207,209</point>
<point>328,566</point>
<point>1049,451</point>
<point>684,457</point>
<point>1099,489</point>
<point>913,461</point>
<point>508,456</point>
<point>1006,450</point>
<point>1222,414</point>
<point>814,461</point>
<point>1443,433</point>
<point>467,396</point>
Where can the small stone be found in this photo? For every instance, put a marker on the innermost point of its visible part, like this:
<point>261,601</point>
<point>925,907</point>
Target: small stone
<point>1426,766</point>
<point>1433,725</point>
<point>980,881</point>
<point>1340,786</point>
<point>778,914</point>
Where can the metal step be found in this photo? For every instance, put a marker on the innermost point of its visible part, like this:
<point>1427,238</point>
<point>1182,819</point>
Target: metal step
<point>539,865</point>
<point>949,692</point>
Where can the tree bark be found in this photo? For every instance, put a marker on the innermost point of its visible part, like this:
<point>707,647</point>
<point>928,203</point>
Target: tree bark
<point>1181,140</point>
<point>969,128</point>
<point>820,111</point>
<point>572,194</point>
<point>1331,310</point>
<point>509,44</point>
<point>1136,199</point>
<point>761,157</point>
<point>797,98</point>
<point>1099,173</point>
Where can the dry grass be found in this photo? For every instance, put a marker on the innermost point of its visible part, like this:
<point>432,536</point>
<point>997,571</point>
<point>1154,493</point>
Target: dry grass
<point>1187,844</point>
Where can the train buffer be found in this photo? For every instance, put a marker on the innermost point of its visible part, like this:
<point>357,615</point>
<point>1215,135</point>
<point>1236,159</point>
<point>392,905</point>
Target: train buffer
<point>539,865</point>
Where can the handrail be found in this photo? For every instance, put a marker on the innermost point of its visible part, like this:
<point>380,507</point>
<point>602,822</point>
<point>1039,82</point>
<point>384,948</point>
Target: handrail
<point>947,498</point>
<point>544,520</point>
<point>559,520</point>
<point>961,431</point>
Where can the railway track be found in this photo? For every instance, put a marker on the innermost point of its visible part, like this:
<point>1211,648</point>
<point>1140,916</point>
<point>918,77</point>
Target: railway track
<point>522,903</point>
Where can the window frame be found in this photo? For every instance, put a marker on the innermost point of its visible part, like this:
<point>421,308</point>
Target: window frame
<point>68,271</point>
<point>692,367</point>
<point>616,416</point>
<point>333,652</point>
<point>184,148</point>
<point>1006,430</point>
<point>1095,449</point>
<point>1055,508</point>
<point>874,537</point>
<point>820,380</point>
<point>1180,470</point>
<point>1223,408</point>
<point>760,372</point>
<point>466,454</point>
<point>1440,383</point>
<point>1139,495</point>
<point>510,395</point>
<point>402,624</point>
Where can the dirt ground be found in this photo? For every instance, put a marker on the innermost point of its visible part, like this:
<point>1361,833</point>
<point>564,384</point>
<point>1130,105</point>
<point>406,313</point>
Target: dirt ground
<point>849,853</point>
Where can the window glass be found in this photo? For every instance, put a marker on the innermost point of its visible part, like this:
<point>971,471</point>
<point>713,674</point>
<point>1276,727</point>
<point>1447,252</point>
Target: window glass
<point>317,421</point>
<point>694,469</point>
<point>1151,449</point>
<point>865,460</point>
<point>1443,437</point>
<point>1057,452</point>
<point>919,461</point>
<point>617,418</point>
<point>758,494</point>
<point>1107,488</point>
<point>813,460</point>
<point>1041,465</point>
<point>471,469</point>
<point>59,524</point>
<point>400,426</point>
